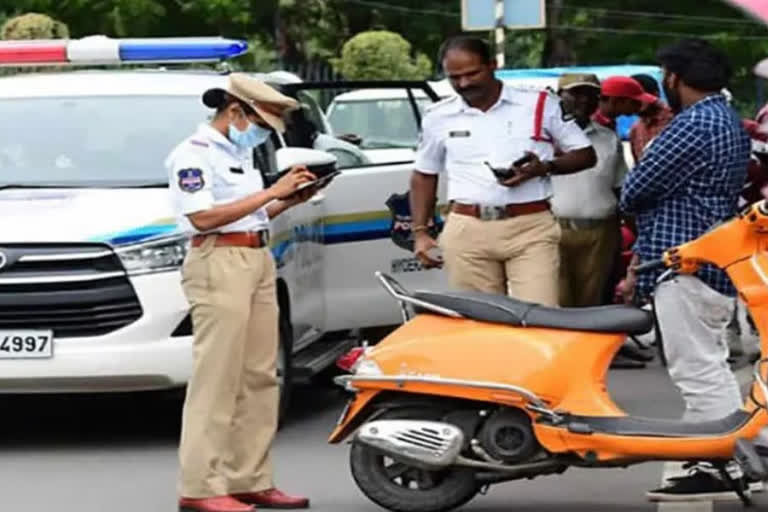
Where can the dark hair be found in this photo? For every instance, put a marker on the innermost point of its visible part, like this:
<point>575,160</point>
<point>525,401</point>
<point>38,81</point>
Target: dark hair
<point>699,64</point>
<point>469,44</point>
<point>648,82</point>
<point>220,100</point>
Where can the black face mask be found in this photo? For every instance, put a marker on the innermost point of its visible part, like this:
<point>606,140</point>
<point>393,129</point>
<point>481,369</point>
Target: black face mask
<point>673,98</point>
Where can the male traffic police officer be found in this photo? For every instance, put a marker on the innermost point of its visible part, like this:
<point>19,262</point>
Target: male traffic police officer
<point>230,413</point>
<point>500,235</point>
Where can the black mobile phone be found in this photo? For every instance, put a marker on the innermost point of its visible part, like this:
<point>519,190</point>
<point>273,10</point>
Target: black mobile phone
<point>523,160</point>
<point>501,173</point>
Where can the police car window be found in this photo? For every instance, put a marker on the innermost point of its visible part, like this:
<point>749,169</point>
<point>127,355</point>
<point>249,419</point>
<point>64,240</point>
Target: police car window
<point>81,141</point>
<point>312,110</point>
<point>379,123</point>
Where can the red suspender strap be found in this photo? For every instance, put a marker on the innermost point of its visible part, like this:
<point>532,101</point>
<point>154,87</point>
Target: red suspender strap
<point>538,120</point>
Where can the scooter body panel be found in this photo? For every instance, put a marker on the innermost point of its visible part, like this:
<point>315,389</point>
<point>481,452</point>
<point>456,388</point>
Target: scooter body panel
<point>431,345</point>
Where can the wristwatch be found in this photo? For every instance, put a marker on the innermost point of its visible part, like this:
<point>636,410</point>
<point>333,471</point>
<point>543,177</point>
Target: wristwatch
<point>550,167</point>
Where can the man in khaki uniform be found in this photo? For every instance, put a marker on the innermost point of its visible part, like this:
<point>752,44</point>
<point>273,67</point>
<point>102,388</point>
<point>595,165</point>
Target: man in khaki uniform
<point>500,235</point>
<point>231,409</point>
<point>585,202</point>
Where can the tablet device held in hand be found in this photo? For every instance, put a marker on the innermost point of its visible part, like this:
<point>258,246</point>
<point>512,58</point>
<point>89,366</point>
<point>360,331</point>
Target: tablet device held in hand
<point>320,182</point>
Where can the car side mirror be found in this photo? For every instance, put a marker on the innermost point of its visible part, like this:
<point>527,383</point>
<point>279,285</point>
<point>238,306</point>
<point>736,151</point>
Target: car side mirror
<point>319,163</point>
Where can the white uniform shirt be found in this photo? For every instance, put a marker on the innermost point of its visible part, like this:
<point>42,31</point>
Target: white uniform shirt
<point>458,139</point>
<point>206,170</point>
<point>588,194</point>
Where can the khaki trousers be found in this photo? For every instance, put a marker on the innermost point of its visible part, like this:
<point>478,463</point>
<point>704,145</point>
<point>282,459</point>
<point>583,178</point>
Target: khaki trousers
<point>230,413</point>
<point>518,256</point>
<point>586,262</point>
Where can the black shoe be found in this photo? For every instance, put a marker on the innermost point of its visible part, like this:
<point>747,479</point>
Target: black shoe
<point>636,353</point>
<point>623,362</point>
<point>700,485</point>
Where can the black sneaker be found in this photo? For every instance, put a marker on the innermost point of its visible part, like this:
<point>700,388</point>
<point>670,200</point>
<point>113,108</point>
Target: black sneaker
<point>700,485</point>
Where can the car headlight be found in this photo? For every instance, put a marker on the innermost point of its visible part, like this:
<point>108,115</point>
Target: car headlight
<point>162,255</point>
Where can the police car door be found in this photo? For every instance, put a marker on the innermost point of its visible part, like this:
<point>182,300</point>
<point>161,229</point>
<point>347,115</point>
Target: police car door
<point>366,227</point>
<point>298,253</point>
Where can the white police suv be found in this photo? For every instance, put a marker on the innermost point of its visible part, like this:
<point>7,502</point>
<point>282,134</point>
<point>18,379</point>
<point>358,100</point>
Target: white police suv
<point>90,294</point>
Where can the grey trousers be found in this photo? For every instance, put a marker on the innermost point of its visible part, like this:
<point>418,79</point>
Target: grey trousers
<point>692,317</point>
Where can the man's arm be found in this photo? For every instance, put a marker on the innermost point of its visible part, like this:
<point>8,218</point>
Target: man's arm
<point>423,197</point>
<point>578,153</point>
<point>575,152</point>
<point>430,161</point>
<point>665,166</point>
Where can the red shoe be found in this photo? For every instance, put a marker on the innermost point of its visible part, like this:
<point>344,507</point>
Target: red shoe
<point>216,504</point>
<point>273,498</point>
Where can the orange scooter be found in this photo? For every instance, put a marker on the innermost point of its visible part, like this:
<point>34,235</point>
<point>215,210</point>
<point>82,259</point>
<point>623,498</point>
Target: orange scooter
<point>476,389</point>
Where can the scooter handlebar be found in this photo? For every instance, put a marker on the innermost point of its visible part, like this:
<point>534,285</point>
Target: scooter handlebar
<point>650,266</point>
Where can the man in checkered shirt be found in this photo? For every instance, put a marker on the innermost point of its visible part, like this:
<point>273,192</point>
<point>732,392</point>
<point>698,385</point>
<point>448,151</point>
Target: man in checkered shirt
<point>688,181</point>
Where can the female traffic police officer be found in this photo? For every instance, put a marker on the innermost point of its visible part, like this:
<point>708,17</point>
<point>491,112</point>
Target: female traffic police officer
<point>228,277</point>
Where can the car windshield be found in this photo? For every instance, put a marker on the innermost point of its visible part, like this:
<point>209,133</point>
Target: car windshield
<point>104,141</point>
<point>381,124</point>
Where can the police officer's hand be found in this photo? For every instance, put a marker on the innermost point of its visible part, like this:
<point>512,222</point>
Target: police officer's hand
<point>304,195</point>
<point>287,185</point>
<point>422,245</point>
<point>531,169</point>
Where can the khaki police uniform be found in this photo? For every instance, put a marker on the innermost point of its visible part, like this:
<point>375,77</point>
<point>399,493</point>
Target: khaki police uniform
<point>586,206</point>
<point>231,408</point>
<point>498,239</point>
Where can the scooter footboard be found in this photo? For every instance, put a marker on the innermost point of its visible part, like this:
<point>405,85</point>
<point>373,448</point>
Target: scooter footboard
<point>605,439</point>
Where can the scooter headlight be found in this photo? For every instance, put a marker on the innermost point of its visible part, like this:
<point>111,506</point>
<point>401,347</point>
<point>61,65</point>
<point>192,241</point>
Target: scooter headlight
<point>163,255</point>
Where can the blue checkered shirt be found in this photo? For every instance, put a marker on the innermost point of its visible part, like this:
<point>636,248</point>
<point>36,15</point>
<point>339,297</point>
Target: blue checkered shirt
<point>687,181</point>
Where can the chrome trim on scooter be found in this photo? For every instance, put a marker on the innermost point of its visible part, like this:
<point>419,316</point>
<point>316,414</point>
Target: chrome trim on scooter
<point>759,378</point>
<point>538,404</point>
<point>402,296</point>
<point>425,443</point>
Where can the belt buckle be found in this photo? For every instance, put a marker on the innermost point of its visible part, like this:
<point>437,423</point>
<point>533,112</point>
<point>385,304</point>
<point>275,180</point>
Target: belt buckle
<point>492,213</point>
<point>264,237</point>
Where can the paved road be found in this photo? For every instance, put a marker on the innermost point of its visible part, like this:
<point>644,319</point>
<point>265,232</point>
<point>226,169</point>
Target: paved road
<point>118,454</point>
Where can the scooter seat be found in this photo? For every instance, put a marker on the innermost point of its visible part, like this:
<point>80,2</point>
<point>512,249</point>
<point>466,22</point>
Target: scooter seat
<point>488,307</point>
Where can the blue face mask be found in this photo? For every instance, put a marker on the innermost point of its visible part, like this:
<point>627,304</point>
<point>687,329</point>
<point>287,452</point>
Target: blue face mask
<point>253,136</point>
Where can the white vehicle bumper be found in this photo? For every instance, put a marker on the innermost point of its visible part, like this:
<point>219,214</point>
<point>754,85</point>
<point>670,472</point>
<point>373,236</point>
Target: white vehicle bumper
<point>140,356</point>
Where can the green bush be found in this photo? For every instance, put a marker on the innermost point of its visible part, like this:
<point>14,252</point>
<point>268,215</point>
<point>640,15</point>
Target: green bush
<point>33,26</point>
<point>381,55</point>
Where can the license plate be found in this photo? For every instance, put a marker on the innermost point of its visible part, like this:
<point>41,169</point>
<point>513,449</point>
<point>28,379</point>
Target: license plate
<point>26,344</point>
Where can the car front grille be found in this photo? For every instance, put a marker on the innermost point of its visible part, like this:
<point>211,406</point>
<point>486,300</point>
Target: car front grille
<point>77,290</point>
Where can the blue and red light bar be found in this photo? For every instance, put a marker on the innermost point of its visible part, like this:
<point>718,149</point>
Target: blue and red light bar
<point>101,50</point>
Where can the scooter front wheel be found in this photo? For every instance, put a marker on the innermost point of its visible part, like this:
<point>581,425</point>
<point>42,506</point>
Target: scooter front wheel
<point>402,488</point>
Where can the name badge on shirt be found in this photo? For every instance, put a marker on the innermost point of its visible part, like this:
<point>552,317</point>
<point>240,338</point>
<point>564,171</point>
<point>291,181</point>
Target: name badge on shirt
<point>236,170</point>
<point>459,133</point>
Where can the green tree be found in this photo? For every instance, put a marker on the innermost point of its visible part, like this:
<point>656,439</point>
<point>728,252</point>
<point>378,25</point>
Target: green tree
<point>381,55</point>
<point>33,26</point>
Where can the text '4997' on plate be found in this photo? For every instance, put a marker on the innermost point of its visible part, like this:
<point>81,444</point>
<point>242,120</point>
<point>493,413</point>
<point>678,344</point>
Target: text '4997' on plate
<point>26,344</point>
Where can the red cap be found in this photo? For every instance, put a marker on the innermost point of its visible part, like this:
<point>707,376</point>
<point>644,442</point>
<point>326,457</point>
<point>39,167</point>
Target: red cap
<point>626,87</point>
